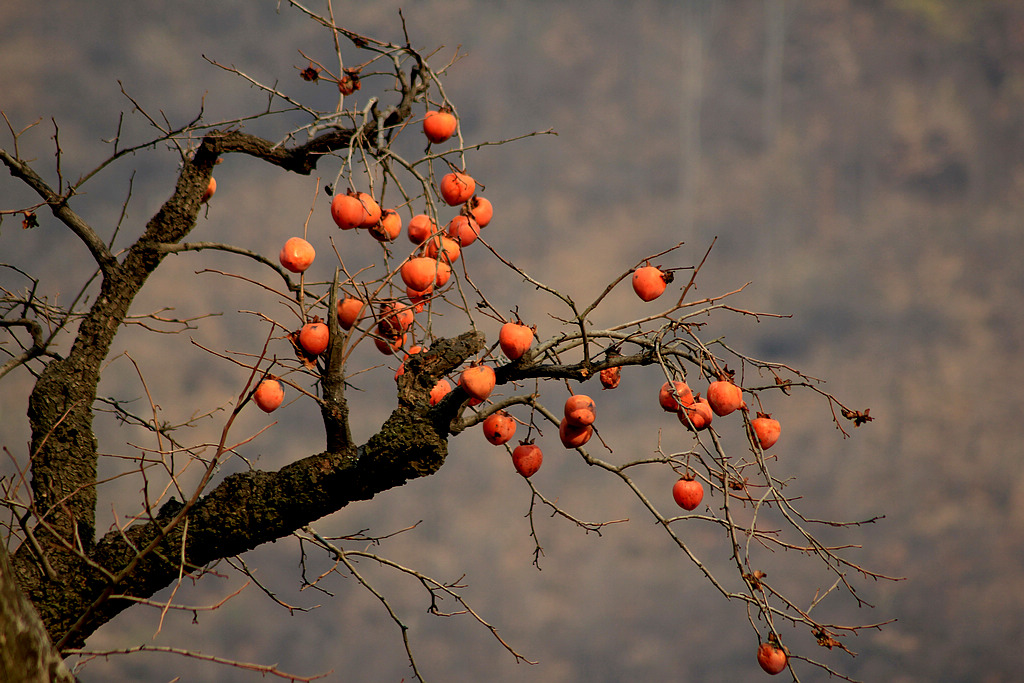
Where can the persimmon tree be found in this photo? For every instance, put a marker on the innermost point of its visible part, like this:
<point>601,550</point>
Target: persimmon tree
<point>77,577</point>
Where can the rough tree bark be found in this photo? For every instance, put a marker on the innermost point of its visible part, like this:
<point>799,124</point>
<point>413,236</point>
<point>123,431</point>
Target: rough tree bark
<point>26,653</point>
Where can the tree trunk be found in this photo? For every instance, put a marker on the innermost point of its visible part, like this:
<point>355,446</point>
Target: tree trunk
<point>26,652</point>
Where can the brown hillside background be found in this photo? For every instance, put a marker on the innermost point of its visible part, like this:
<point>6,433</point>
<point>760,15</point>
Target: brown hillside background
<point>861,163</point>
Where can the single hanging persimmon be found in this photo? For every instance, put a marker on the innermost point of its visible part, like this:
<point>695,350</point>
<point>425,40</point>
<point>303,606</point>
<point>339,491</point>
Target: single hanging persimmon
<point>456,188</point>
<point>573,435</point>
<point>349,310</point>
<point>421,227</point>
<point>580,410</point>
<point>478,381</point>
<point>480,210</point>
<point>388,228</point>
<point>347,211</point>
<point>766,429</point>
<point>464,230</point>
<point>297,254</point>
<point>371,210</point>
<point>725,397</point>
<point>419,272</point>
<point>527,458</point>
<point>447,247</point>
<point>314,338</point>
<point>688,492</point>
<point>395,318</point>
<point>438,126</point>
<point>211,187</point>
<point>697,415</point>
<point>390,345</point>
<point>444,272</point>
<point>515,339</point>
<point>772,658</point>
<point>610,376</point>
<point>268,395</point>
<point>675,396</point>
<point>649,282</point>
<point>499,428</point>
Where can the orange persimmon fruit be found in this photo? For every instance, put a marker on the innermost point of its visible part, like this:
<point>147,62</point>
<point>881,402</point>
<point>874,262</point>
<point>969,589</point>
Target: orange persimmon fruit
<point>688,493</point>
<point>766,429</point>
<point>348,312</point>
<point>772,658</point>
<point>463,229</point>
<point>573,435</point>
<point>649,282</point>
<point>419,272</point>
<point>499,428</point>
<point>527,458</point>
<point>580,410</point>
<point>478,381</point>
<point>297,254</point>
<point>268,395</point>
<point>314,338</point>
<point>421,227</point>
<point>438,126</point>
<point>480,210</point>
<point>515,339</point>
<point>457,187</point>
<point>675,396</point>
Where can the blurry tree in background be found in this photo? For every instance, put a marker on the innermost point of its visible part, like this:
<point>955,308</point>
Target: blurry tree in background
<point>414,321</point>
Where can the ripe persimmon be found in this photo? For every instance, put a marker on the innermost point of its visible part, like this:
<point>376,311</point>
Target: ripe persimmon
<point>572,435</point>
<point>349,310</point>
<point>725,397</point>
<point>268,395</point>
<point>527,458</point>
<point>515,339</point>
<point>389,345</point>
<point>480,210</point>
<point>421,227</point>
<point>688,493</point>
<point>649,282</point>
<point>580,410</point>
<point>388,228</point>
<point>314,338</point>
<point>766,429</point>
<point>499,428</point>
<point>697,415</point>
<point>438,126</point>
<point>417,299</point>
<point>675,396</point>
<point>347,211</point>
<point>419,272</point>
<point>444,272</point>
<point>772,658</point>
<point>371,210</point>
<point>456,188</point>
<point>211,187</point>
<point>440,390</point>
<point>478,381</point>
<point>297,254</point>
<point>395,318</point>
<point>463,229</point>
<point>447,247</point>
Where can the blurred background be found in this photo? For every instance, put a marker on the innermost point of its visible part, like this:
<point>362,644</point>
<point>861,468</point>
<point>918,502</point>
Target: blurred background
<point>858,162</point>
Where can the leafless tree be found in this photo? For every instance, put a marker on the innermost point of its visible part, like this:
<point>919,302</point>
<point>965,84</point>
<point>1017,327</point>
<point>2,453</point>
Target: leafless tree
<point>61,578</point>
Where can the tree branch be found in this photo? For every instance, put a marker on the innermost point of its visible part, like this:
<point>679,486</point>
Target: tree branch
<point>58,205</point>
